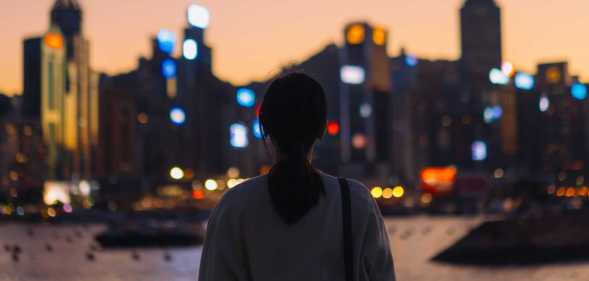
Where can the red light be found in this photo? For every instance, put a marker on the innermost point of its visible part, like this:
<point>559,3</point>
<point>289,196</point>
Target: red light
<point>332,128</point>
<point>198,194</point>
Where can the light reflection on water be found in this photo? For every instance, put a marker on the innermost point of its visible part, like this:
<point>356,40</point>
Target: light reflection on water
<point>413,241</point>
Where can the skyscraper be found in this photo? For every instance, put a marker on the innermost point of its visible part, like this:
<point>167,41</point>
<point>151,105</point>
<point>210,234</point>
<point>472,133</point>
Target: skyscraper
<point>480,25</point>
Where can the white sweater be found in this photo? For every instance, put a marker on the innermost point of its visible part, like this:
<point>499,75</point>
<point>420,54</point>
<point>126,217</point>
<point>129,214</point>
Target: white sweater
<point>246,240</point>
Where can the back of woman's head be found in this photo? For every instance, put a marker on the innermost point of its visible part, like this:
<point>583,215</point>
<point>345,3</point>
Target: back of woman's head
<point>293,117</point>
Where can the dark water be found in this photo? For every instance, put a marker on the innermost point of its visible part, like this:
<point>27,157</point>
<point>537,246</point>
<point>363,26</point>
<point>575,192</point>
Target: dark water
<point>413,240</point>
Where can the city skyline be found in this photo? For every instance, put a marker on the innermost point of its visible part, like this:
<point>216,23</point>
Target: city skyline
<point>234,36</point>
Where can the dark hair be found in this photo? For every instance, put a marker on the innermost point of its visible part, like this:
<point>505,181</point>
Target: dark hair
<point>293,116</point>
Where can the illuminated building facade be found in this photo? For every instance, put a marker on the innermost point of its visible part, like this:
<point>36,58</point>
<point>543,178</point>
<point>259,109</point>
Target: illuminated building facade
<point>60,92</point>
<point>365,100</point>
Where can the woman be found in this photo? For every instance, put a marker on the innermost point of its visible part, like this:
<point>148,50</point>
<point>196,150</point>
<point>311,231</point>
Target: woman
<point>291,223</point>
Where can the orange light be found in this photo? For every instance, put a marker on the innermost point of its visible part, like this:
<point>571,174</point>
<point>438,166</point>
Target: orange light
<point>553,75</point>
<point>560,192</point>
<point>265,169</point>
<point>355,34</point>
<point>53,40</point>
<point>332,128</point>
<point>378,36</point>
<point>570,192</point>
<point>198,194</point>
<point>438,179</point>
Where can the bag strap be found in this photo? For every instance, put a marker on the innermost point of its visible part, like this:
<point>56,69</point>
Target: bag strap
<point>348,242</point>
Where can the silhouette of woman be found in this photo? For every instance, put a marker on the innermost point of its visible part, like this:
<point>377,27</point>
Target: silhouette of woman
<point>291,224</point>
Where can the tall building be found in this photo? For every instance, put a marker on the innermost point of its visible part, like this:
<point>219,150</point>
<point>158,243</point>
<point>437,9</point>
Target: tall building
<point>60,92</point>
<point>365,100</point>
<point>480,26</point>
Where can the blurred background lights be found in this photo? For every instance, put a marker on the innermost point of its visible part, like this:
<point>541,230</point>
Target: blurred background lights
<point>492,113</point>
<point>479,150</point>
<point>376,192</point>
<point>169,68</point>
<point>579,91</point>
<point>524,81</point>
<point>256,130</point>
<point>507,69</point>
<point>355,34</point>
<point>176,173</point>
<point>544,103</point>
<point>496,76</point>
<point>238,136</point>
<point>198,16</point>
<point>177,116</point>
<point>411,60</point>
<point>398,191</point>
<point>359,141</point>
<point>365,110</point>
<point>189,49</point>
<point>211,184</point>
<point>333,128</point>
<point>246,97</point>
<point>352,74</point>
<point>166,41</point>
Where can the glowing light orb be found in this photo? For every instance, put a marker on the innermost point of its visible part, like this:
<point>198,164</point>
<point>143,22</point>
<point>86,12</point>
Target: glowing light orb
<point>507,69</point>
<point>211,184</point>
<point>190,49</point>
<point>492,114</point>
<point>579,91</point>
<point>496,76</point>
<point>376,192</point>
<point>177,116</point>
<point>176,173</point>
<point>256,129</point>
<point>379,36</point>
<point>479,150</point>
<point>398,191</point>
<point>524,81</point>
<point>544,103</point>
<point>198,16</point>
<point>365,110</point>
<point>166,41</point>
<point>411,60</point>
<point>169,68</point>
<point>245,97</point>
<point>238,136</point>
<point>359,141</point>
<point>352,74</point>
<point>333,128</point>
<point>355,34</point>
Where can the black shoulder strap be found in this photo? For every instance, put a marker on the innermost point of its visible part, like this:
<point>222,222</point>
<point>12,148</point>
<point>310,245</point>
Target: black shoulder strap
<point>348,245</point>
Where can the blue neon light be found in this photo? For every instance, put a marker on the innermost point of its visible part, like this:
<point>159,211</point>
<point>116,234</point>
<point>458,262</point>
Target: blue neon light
<point>166,41</point>
<point>479,150</point>
<point>245,97</point>
<point>238,135</point>
<point>579,91</point>
<point>411,60</point>
<point>169,68</point>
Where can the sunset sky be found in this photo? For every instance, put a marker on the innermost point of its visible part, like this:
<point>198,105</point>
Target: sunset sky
<point>253,38</point>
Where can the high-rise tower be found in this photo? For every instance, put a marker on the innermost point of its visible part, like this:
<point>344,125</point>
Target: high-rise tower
<point>480,25</point>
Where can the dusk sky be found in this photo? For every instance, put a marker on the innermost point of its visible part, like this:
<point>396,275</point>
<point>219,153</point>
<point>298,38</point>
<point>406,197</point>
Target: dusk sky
<point>251,39</point>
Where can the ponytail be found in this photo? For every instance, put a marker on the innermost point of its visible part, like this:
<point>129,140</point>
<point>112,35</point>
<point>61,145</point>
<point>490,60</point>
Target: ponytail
<point>294,185</point>
<point>293,116</point>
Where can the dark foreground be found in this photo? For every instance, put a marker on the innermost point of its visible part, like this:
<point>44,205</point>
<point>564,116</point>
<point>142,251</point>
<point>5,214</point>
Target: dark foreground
<point>50,252</point>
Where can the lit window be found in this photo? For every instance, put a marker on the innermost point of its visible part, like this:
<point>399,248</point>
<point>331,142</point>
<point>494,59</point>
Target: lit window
<point>198,16</point>
<point>190,49</point>
<point>352,74</point>
<point>355,34</point>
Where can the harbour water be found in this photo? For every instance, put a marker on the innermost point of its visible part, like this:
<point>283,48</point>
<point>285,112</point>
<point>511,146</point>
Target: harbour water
<point>56,253</point>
